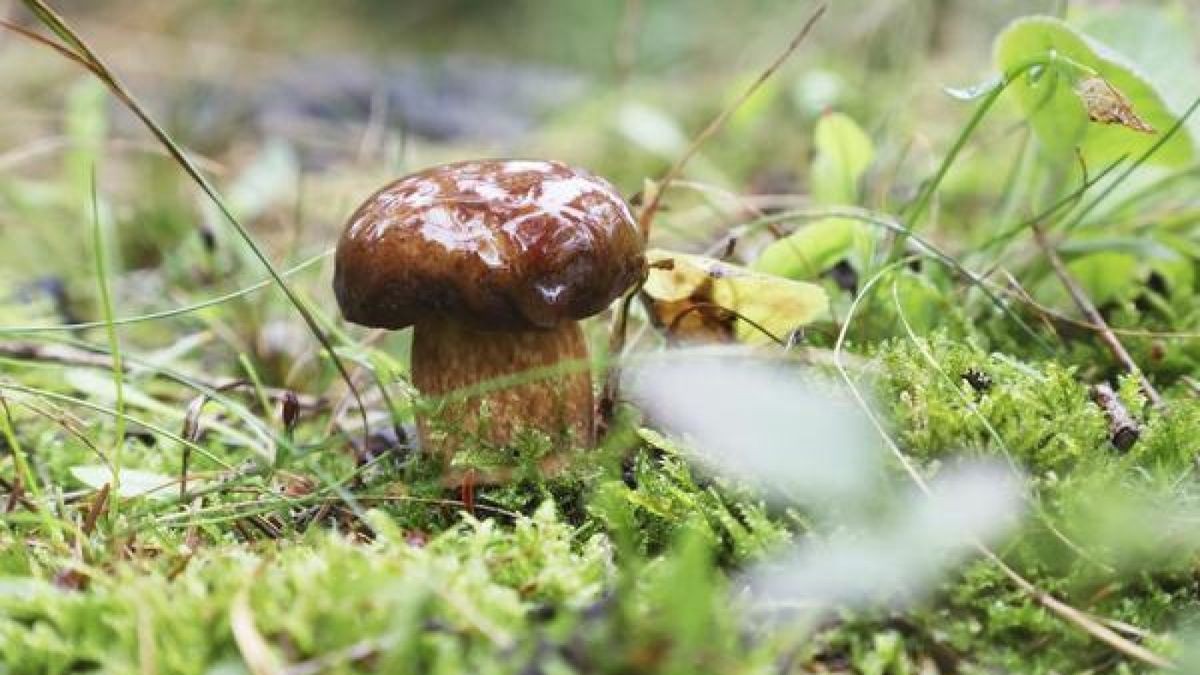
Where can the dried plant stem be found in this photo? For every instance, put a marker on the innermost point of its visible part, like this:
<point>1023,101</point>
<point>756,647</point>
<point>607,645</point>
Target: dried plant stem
<point>1094,316</point>
<point>646,218</point>
<point>16,495</point>
<point>616,342</point>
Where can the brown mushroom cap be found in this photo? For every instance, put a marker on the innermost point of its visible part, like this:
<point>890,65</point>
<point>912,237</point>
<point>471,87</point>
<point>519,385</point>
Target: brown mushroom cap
<point>498,244</point>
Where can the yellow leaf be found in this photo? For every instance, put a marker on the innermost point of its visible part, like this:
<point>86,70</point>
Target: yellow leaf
<point>701,299</point>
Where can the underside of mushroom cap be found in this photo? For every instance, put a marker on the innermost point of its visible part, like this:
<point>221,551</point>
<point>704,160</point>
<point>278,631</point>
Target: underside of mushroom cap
<point>498,244</point>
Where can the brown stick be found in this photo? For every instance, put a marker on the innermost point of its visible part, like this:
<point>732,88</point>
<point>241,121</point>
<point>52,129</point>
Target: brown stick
<point>1123,430</point>
<point>97,507</point>
<point>16,495</point>
<point>1093,315</point>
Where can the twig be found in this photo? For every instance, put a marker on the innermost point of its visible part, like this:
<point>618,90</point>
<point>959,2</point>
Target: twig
<point>97,507</point>
<point>1094,316</point>
<point>606,405</point>
<point>646,218</point>
<point>1057,321</point>
<point>1123,430</point>
<point>16,495</point>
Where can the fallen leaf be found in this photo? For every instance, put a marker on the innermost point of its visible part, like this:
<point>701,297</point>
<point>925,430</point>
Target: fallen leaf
<point>699,299</point>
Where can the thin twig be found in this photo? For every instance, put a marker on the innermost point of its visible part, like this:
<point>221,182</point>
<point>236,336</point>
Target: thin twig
<point>1094,316</point>
<point>616,342</point>
<point>646,218</point>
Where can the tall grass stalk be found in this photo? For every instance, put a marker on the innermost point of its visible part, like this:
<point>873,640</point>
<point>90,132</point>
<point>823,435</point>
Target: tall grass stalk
<point>100,252</point>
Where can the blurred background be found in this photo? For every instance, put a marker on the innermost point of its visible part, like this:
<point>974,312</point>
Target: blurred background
<point>298,109</point>
<point>320,101</point>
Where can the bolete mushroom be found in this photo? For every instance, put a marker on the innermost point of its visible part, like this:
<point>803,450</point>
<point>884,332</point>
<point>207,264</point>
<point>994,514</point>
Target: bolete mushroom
<point>492,263</point>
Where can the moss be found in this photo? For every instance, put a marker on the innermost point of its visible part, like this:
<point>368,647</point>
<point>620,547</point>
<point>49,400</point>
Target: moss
<point>1037,414</point>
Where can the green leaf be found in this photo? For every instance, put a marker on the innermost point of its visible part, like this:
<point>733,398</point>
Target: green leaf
<point>1046,59</point>
<point>844,151</point>
<point>134,483</point>
<point>1109,276</point>
<point>807,252</point>
<point>920,301</point>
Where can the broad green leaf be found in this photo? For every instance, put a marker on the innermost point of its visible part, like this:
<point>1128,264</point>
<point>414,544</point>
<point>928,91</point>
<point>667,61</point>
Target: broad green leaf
<point>1046,92</point>
<point>1170,257</point>
<point>134,483</point>
<point>807,252</point>
<point>922,303</point>
<point>1109,276</point>
<point>844,151</point>
<point>698,288</point>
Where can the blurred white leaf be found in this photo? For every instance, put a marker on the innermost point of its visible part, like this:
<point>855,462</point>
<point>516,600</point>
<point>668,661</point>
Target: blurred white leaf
<point>652,129</point>
<point>762,421</point>
<point>905,557</point>
<point>271,176</point>
<point>134,483</point>
<point>817,90</point>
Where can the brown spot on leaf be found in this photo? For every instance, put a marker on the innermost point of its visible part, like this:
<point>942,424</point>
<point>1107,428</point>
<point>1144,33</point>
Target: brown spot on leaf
<point>1105,104</point>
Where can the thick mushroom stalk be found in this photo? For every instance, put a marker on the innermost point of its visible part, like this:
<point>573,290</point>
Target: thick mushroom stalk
<point>493,385</point>
<point>493,263</point>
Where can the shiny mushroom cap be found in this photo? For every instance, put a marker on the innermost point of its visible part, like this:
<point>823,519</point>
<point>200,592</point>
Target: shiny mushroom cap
<point>498,244</point>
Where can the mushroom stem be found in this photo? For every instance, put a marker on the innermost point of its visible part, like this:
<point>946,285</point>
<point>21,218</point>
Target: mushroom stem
<point>532,379</point>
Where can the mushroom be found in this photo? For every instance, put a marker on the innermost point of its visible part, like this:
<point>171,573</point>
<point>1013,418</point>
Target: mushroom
<point>492,263</point>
